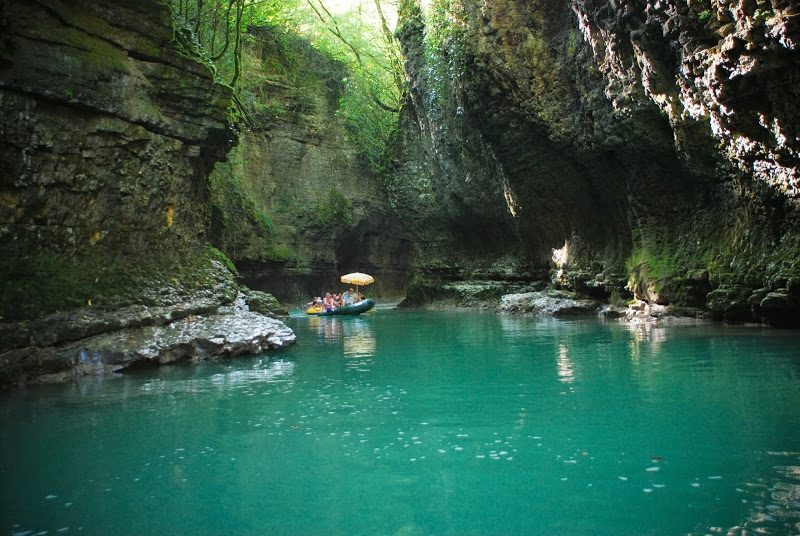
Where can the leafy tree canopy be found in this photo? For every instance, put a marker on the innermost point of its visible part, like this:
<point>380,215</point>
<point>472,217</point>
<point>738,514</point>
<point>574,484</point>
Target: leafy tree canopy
<point>358,33</point>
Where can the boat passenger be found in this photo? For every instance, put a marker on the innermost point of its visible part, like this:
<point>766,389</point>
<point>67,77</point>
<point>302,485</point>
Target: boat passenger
<point>328,303</point>
<point>348,297</point>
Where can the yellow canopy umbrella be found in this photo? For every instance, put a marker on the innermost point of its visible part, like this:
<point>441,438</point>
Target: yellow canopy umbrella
<point>357,278</point>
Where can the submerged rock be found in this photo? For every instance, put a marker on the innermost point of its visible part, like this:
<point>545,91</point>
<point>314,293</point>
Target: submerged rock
<point>228,331</point>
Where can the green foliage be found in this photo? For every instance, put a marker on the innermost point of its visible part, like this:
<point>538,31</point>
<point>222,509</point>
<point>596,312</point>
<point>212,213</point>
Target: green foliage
<point>445,52</point>
<point>217,255</point>
<point>572,44</point>
<point>704,15</point>
<point>763,13</point>
<point>359,38</point>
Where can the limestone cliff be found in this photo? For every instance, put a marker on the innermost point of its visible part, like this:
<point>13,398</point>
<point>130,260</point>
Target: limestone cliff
<point>296,206</point>
<point>651,146</point>
<point>109,131</point>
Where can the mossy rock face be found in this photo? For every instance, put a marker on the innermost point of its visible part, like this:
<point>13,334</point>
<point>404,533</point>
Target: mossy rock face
<point>108,136</point>
<point>266,304</point>
<point>730,302</point>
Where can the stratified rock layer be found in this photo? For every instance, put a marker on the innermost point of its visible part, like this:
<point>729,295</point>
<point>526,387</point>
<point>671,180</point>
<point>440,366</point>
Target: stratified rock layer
<point>109,132</point>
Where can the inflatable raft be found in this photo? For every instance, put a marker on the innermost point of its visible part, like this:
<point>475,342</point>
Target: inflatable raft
<point>355,309</point>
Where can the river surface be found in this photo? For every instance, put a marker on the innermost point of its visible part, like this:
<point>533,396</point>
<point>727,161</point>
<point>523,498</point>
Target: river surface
<point>423,423</point>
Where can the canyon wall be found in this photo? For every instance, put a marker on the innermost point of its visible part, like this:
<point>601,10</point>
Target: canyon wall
<point>109,131</point>
<point>296,206</point>
<point>616,148</point>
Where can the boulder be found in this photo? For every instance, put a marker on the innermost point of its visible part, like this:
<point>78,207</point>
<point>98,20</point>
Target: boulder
<point>264,303</point>
<point>548,303</point>
<point>730,303</point>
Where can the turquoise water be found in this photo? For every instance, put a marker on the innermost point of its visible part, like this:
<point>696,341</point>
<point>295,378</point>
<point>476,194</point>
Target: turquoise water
<point>424,423</point>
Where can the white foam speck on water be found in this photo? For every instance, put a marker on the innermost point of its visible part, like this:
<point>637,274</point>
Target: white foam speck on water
<point>510,458</point>
<point>659,486</point>
<point>715,477</point>
<point>503,452</point>
<point>423,424</point>
<point>67,505</point>
<point>480,456</point>
<point>63,529</point>
<point>566,461</point>
<point>22,533</point>
<point>653,469</point>
<point>51,496</point>
<point>648,490</point>
<point>412,459</point>
<point>458,448</point>
<point>623,478</point>
<point>442,451</point>
<point>695,484</point>
<point>564,479</point>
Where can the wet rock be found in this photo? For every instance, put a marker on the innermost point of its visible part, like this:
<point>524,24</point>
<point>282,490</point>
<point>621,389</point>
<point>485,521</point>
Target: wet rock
<point>548,303</point>
<point>780,308</point>
<point>60,328</point>
<point>230,331</point>
<point>730,303</point>
<point>464,294</point>
<point>264,303</point>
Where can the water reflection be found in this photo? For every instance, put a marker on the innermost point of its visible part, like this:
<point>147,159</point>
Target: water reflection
<point>565,372</point>
<point>262,371</point>
<point>355,334</point>
<point>359,340</point>
<point>645,335</point>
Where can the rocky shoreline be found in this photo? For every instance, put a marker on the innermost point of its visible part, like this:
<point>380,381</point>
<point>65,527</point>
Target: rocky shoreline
<point>64,347</point>
<point>514,298</point>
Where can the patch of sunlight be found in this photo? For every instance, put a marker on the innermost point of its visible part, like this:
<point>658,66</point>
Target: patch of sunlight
<point>560,257</point>
<point>510,202</point>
